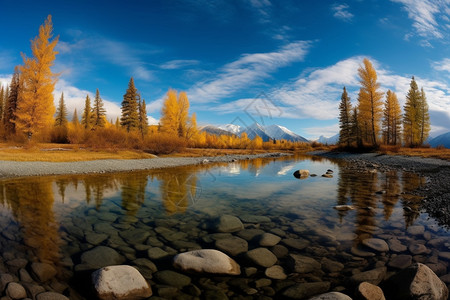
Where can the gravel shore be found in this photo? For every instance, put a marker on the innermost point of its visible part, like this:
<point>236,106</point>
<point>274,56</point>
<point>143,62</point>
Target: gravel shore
<point>9,169</point>
<point>436,192</point>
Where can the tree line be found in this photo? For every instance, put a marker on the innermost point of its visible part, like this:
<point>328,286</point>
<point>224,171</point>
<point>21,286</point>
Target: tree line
<point>372,122</point>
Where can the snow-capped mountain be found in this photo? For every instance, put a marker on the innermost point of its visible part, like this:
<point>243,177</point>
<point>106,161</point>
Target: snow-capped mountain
<point>256,129</point>
<point>443,139</point>
<point>234,129</point>
<point>333,140</point>
<point>267,133</point>
<point>280,132</point>
<point>215,130</point>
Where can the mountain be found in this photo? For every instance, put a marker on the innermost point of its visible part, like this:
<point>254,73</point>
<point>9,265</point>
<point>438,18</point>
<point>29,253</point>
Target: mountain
<point>333,140</point>
<point>443,139</point>
<point>215,130</point>
<point>282,133</point>
<point>267,133</point>
<point>234,129</point>
<point>254,130</point>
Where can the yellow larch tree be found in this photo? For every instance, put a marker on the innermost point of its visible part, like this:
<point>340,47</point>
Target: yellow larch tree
<point>183,114</point>
<point>169,114</point>
<point>35,107</point>
<point>370,101</point>
<point>392,119</point>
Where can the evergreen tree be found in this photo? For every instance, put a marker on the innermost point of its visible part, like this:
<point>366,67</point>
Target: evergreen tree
<point>424,118</point>
<point>75,120</point>
<point>192,130</point>
<point>345,111</point>
<point>35,109</point>
<point>2,101</point>
<point>61,113</point>
<point>130,114</point>
<point>98,112</point>
<point>87,112</point>
<point>169,114</point>
<point>143,119</point>
<point>392,118</point>
<point>411,117</point>
<point>183,114</point>
<point>9,115</point>
<point>355,127</point>
<point>370,103</point>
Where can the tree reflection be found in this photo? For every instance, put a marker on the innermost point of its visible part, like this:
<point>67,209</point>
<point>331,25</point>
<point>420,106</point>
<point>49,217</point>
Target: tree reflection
<point>133,192</point>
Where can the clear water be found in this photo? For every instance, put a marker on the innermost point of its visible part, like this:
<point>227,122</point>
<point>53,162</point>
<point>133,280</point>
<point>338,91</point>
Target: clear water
<point>56,219</point>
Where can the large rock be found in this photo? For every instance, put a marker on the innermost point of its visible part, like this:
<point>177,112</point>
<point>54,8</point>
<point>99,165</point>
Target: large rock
<point>368,291</point>
<point>304,290</point>
<point>43,271</point>
<point>100,257</point>
<point>301,174</point>
<point>227,223</point>
<point>331,296</point>
<point>304,264</point>
<point>232,246</point>
<point>374,276</point>
<point>416,282</point>
<point>269,240</point>
<point>262,257</point>
<point>376,244</point>
<point>120,282</point>
<point>206,261</point>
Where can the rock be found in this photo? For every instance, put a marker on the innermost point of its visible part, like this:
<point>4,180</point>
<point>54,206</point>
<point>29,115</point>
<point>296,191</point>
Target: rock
<point>400,261</point>
<point>344,207</point>
<point>101,256</point>
<point>120,282</point>
<point>95,238</point>
<point>172,278</point>
<point>206,261</point>
<point>33,289</point>
<point>416,230</point>
<point>227,223</point>
<point>4,280</point>
<point>301,174</point>
<point>415,282</point>
<point>374,276</point>
<point>298,244</point>
<point>232,246</point>
<point>280,251</point>
<point>362,253</point>
<point>396,246</point>
<point>156,253</point>
<point>331,266</point>
<point>262,257</point>
<point>135,236</point>
<point>25,276</point>
<point>304,290</point>
<point>43,271</point>
<point>254,219</point>
<point>444,255</point>
<point>327,175</point>
<point>367,291</point>
<point>331,296</point>
<point>51,296</point>
<point>250,234</point>
<point>275,272</point>
<point>304,264</point>
<point>417,249</point>
<point>376,244</point>
<point>269,240</point>
<point>15,291</point>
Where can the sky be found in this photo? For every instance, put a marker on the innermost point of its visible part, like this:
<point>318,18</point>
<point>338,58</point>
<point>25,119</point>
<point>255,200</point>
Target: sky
<point>279,62</point>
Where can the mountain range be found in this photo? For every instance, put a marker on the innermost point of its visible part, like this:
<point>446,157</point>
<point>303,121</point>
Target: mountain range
<point>441,140</point>
<point>267,133</point>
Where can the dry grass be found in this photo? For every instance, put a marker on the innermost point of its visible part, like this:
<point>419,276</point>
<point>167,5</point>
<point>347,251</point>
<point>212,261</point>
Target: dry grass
<point>441,153</point>
<point>198,152</point>
<point>64,153</point>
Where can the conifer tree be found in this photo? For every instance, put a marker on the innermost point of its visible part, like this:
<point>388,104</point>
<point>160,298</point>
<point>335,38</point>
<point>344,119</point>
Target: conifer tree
<point>183,113</point>
<point>411,117</point>
<point>169,114</point>
<point>424,118</point>
<point>87,112</point>
<point>345,111</point>
<point>2,101</point>
<point>98,112</point>
<point>370,103</point>
<point>130,114</point>
<point>392,118</point>
<point>192,130</point>
<point>75,120</point>
<point>143,120</point>
<point>61,113</point>
<point>355,127</point>
<point>9,115</point>
<point>35,109</point>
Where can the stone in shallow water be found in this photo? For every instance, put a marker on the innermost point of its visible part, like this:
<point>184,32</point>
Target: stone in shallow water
<point>376,244</point>
<point>362,253</point>
<point>172,278</point>
<point>101,256</point>
<point>4,280</point>
<point>331,296</point>
<point>120,282</point>
<point>269,240</point>
<point>374,276</point>
<point>43,271</point>
<point>275,272</point>
<point>396,246</point>
<point>305,290</point>
<point>304,264</point>
<point>400,261</point>
<point>232,246</point>
<point>15,291</point>
<point>262,257</point>
<point>135,236</point>
<point>206,261</point>
<point>250,234</point>
<point>254,219</point>
<point>367,291</point>
<point>157,253</point>
<point>51,296</point>
<point>298,244</point>
<point>417,249</point>
<point>331,266</point>
<point>227,223</point>
<point>416,230</point>
<point>95,238</point>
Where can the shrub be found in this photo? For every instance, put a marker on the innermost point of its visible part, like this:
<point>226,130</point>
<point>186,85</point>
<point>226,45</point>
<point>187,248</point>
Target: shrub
<point>163,143</point>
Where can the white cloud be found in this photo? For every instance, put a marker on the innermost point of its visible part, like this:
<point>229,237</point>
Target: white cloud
<point>341,12</point>
<point>5,79</point>
<point>263,7</point>
<point>249,69</point>
<point>179,64</point>
<point>327,131</point>
<point>443,65</point>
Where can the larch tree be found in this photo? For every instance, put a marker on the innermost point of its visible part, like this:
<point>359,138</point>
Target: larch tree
<point>75,121</point>
<point>130,114</point>
<point>143,120</point>
<point>169,114</point>
<point>411,117</point>
<point>2,101</point>
<point>355,127</point>
<point>183,114</point>
<point>35,109</point>
<point>392,119</point>
<point>370,101</point>
<point>192,131</point>
<point>61,113</point>
<point>87,112</point>
<point>345,118</point>
<point>9,115</point>
<point>424,118</point>
<point>98,112</point>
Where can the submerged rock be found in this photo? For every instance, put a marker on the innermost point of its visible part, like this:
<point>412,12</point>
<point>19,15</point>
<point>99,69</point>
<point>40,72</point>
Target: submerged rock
<point>99,257</point>
<point>262,257</point>
<point>227,223</point>
<point>344,207</point>
<point>367,291</point>
<point>376,244</point>
<point>206,261</point>
<point>43,271</point>
<point>331,296</point>
<point>304,290</point>
<point>301,174</point>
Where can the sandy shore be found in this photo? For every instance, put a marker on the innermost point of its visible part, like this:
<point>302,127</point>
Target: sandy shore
<point>9,169</point>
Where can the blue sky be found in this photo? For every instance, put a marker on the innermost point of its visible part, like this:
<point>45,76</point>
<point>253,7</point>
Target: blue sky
<point>276,62</point>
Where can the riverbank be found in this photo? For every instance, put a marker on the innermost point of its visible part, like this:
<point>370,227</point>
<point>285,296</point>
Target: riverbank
<point>435,193</point>
<point>9,169</point>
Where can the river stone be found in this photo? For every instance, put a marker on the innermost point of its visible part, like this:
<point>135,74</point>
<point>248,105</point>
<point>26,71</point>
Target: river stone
<point>145,267</point>
<point>17,263</point>
<point>304,290</point>
<point>262,257</point>
<point>24,276</point>
<point>156,253</point>
<point>304,264</point>
<point>301,174</point>
<point>101,256</point>
<point>367,291</point>
<point>33,289</point>
<point>43,271</point>
<point>416,230</point>
<point>227,223</point>
<point>298,244</point>
<point>51,296</point>
<point>417,249</point>
<point>95,238</point>
<point>331,296</point>
<point>268,240</point>
<point>254,219</point>
<point>107,216</point>
<point>4,280</point>
<point>232,246</point>
<point>250,234</point>
<point>15,291</point>
<point>396,246</point>
<point>374,276</point>
<point>400,261</point>
<point>120,282</point>
<point>444,255</point>
<point>331,266</point>
<point>376,244</point>
<point>172,278</point>
<point>327,175</point>
<point>416,282</point>
<point>135,236</point>
<point>275,272</point>
<point>206,261</point>
<point>362,253</point>
<point>280,251</point>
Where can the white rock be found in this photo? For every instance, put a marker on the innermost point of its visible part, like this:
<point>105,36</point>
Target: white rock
<point>120,282</point>
<point>206,261</point>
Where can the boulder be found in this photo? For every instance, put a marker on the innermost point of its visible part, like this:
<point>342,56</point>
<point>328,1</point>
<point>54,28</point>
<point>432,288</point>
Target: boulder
<point>99,257</point>
<point>227,223</point>
<point>400,261</point>
<point>331,296</point>
<point>275,272</point>
<point>120,282</point>
<point>416,282</point>
<point>262,257</point>
<point>301,174</point>
<point>368,291</point>
<point>206,261</point>
<point>232,246</point>
<point>269,240</point>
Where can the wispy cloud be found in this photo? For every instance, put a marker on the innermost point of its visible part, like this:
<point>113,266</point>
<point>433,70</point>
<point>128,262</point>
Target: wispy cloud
<point>248,69</point>
<point>263,8</point>
<point>179,64</point>
<point>5,79</point>
<point>443,65</point>
<point>327,131</point>
<point>341,12</point>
